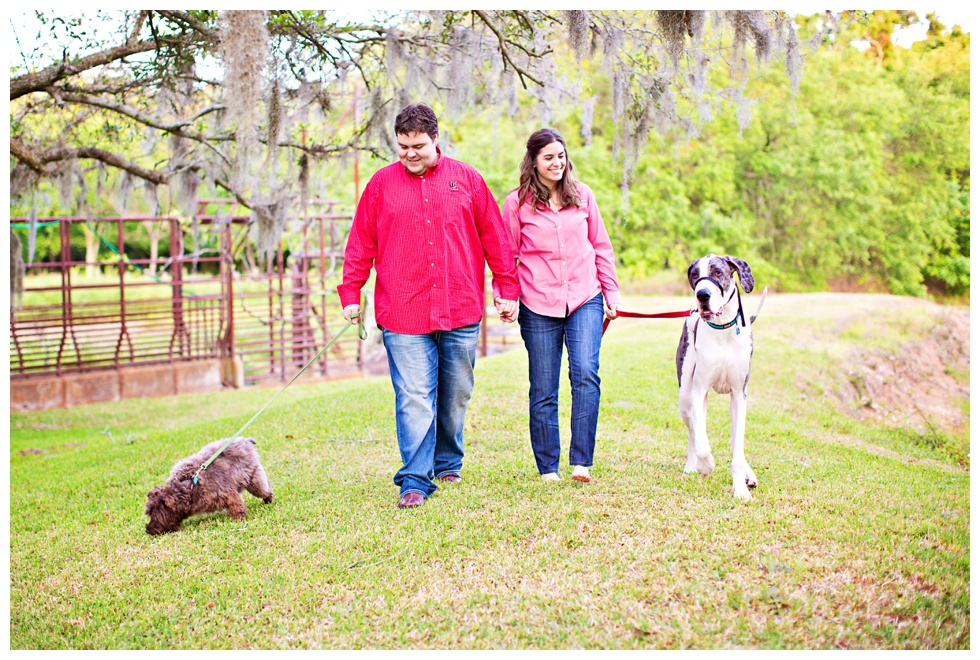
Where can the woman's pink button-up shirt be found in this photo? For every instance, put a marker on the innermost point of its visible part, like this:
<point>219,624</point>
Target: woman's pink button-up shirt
<point>565,257</point>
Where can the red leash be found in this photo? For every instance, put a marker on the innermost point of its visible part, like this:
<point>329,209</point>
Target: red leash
<point>637,315</point>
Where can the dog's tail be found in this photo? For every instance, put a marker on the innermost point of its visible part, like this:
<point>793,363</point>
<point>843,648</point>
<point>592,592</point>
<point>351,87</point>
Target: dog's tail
<point>759,308</point>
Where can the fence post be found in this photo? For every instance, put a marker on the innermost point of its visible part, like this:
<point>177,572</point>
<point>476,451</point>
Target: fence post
<point>299,305</point>
<point>176,286</point>
<point>232,366</point>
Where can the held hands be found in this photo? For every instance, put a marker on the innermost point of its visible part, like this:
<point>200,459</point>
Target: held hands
<point>351,312</point>
<point>611,311</point>
<point>506,308</point>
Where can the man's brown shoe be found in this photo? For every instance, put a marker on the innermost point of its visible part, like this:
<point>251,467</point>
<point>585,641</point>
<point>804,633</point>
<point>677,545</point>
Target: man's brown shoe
<point>450,477</point>
<point>411,500</point>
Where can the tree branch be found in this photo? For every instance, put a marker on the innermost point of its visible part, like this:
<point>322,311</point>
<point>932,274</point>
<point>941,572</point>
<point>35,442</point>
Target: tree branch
<point>40,80</point>
<point>191,22</point>
<point>135,115</point>
<point>521,73</point>
<point>20,151</point>
<point>140,19</point>
<point>37,160</point>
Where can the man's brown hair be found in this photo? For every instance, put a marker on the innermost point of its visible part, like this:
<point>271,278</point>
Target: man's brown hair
<point>417,118</point>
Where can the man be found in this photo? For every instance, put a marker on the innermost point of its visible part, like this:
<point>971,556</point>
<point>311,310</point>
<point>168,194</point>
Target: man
<point>427,223</point>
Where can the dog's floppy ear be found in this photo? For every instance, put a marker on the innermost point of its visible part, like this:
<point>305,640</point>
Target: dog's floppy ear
<point>176,493</point>
<point>744,273</point>
<point>152,500</point>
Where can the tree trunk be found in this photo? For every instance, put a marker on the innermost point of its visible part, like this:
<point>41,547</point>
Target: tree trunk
<point>154,232</point>
<point>91,251</point>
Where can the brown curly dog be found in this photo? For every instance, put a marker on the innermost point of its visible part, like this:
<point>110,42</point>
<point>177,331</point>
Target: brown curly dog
<point>219,487</point>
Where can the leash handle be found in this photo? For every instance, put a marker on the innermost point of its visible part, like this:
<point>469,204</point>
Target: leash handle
<point>659,315</point>
<point>362,333</point>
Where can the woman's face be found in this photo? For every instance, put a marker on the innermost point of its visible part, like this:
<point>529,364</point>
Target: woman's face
<point>550,163</point>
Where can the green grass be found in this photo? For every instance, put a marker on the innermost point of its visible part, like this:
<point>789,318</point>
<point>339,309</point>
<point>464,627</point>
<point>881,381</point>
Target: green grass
<point>857,537</point>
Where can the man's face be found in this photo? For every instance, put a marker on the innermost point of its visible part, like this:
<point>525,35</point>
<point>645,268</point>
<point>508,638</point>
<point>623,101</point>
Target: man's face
<point>417,151</point>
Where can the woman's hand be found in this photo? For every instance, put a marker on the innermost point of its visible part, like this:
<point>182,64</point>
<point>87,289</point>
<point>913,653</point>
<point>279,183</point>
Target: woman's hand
<point>506,308</point>
<point>611,311</point>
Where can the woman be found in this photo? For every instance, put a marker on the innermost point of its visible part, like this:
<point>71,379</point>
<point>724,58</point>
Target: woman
<point>566,271</point>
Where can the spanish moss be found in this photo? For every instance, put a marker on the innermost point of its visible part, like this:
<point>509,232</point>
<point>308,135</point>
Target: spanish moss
<point>578,33</point>
<point>244,50</point>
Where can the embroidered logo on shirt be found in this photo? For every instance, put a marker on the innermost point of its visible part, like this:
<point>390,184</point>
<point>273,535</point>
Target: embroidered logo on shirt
<point>452,185</point>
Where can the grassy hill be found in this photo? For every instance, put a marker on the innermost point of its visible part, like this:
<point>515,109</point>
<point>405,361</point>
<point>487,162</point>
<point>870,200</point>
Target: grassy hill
<point>858,535</point>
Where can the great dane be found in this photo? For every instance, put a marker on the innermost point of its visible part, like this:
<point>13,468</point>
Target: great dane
<point>714,353</point>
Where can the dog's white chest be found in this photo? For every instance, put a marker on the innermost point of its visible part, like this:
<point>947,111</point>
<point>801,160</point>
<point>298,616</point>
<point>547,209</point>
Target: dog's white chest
<point>721,358</point>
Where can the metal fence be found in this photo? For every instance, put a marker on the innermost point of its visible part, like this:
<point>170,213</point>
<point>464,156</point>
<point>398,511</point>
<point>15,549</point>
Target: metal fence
<point>206,302</point>
<point>285,309</point>
<point>206,295</point>
<point>70,324</point>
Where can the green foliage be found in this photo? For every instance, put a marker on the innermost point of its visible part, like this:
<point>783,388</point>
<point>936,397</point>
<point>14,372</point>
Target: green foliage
<point>858,182</point>
<point>860,179</point>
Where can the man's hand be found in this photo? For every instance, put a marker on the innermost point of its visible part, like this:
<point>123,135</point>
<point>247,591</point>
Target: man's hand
<point>506,308</point>
<point>612,311</point>
<point>352,312</point>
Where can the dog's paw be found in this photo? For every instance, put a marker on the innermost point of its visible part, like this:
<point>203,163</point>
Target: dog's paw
<point>268,500</point>
<point>741,491</point>
<point>749,476</point>
<point>706,465</point>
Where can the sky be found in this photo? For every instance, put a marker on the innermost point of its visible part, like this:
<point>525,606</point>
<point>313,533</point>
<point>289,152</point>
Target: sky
<point>949,13</point>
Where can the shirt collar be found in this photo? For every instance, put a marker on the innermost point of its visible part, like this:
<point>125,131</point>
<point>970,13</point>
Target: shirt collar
<point>432,169</point>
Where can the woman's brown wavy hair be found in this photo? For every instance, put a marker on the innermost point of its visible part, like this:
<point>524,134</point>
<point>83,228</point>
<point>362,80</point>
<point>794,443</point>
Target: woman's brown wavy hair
<point>530,188</point>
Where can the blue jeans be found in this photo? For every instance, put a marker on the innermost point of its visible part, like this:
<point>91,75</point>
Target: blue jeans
<point>581,332</point>
<point>433,379</point>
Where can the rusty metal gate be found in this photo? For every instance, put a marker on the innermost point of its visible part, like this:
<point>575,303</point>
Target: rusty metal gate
<point>205,297</point>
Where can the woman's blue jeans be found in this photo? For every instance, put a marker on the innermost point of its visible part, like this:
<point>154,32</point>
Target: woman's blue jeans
<point>433,379</point>
<point>544,336</point>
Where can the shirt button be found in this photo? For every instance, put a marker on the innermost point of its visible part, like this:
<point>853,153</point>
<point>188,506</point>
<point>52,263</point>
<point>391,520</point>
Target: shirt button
<point>432,264</point>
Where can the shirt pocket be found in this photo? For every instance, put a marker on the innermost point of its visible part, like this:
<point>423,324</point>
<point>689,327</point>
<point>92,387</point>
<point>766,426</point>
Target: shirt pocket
<point>539,235</point>
<point>457,205</point>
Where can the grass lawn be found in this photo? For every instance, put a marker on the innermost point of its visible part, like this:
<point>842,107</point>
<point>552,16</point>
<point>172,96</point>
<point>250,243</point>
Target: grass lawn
<point>858,535</point>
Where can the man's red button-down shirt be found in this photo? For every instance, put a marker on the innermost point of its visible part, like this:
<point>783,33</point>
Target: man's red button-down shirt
<point>428,238</point>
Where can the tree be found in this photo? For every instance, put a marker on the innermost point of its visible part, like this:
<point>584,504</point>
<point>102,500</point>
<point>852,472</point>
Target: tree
<point>193,83</point>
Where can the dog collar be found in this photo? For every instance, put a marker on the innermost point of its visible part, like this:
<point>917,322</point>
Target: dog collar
<point>738,315</point>
<point>729,324</point>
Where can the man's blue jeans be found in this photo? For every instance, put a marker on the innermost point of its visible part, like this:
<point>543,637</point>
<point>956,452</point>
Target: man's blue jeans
<point>433,379</point>
<point>544,336</point>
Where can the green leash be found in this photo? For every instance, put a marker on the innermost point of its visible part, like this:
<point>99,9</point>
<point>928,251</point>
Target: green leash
<point>361,333</point>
